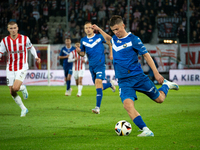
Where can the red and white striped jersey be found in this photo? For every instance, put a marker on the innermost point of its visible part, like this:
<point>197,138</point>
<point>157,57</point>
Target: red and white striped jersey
<point>78,64</point>
<point>17,51</point>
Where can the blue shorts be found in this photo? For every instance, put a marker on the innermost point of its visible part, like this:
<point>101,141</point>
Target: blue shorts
<point>98,72</point>
<point>67,71</point>
<point>141,83</point>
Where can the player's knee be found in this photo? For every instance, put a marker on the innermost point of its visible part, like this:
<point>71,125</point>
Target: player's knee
<point>160,99</point>
<point>15,89</point>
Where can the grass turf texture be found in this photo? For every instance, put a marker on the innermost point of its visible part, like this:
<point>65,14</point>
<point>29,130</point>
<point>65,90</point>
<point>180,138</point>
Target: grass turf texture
<point>56,121</point>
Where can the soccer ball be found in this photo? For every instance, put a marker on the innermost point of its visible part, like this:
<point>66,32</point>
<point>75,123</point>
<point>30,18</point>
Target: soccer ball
<point>123,128</point>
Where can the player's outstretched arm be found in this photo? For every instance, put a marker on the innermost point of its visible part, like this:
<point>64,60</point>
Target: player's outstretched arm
<point>104,34</point>
<point>152,65</point>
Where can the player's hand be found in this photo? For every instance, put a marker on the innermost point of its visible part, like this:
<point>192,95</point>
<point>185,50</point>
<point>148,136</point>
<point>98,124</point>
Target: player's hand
<point>111,57</point>
<point>78,49</point>
<point>83,60</point>
<point>95,27</point>
<point>159,78</point>
<point>38,60</point>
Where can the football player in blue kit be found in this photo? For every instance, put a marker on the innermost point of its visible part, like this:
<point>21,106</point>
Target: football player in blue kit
<point>126,47</point>
<point>67,67</point>
<point>92,45</point>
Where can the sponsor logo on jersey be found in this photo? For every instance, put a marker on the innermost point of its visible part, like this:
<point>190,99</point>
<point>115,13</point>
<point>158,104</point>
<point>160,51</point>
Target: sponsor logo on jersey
<point>118,41</point>
<point>90,40</point>
<point>125,45</point>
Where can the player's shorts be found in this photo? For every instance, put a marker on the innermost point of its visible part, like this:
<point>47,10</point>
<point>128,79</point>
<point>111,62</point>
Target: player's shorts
<point>67,71</point>
<point>97,72</point>
<point>141,83</point>
<point>78,74</point>
<point>15,75</point>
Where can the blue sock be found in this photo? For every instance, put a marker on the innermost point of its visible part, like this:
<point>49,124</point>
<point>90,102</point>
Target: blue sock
<point>68,84</point>
<point>164,88</point>
<point>99,97</point>
<point>139,122</point>
<point>106,85</point>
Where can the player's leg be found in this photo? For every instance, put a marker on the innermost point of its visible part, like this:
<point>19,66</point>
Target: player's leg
<point>66,73</point>
<point>164,90</point>
<point>99,95</point>
<point>80,79</point>
<point>137,119</point>
<point>80,86</point>
<point>128,96</point>
<point>14,86</point>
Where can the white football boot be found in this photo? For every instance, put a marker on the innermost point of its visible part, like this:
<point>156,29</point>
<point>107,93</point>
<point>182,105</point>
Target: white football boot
<point>78,94</point>
<point>68,92</point>
<point>96,110</point>
<point>113,88</point>
<point>24,112</point>
<point>25,93</point>
<point>146,133</point>
<point>171,85</point>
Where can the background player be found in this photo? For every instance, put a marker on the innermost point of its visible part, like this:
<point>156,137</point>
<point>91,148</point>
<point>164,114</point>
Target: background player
<point>17,46</point>
<point>131,78</point>
<point>92,45</point>
<point>67,66</point>
<point>78,68</point>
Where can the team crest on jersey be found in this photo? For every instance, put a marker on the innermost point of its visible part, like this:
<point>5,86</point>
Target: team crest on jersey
<point>118,41</point>
<point>90,40</point>
<point>125,45</point>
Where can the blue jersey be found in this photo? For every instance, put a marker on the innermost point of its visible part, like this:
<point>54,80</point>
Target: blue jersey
<point>94,49</point>
<point>64,52</point>
<point>125,55</point>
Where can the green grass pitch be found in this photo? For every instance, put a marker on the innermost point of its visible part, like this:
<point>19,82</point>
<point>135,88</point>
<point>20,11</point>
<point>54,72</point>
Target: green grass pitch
<point>58,122</point>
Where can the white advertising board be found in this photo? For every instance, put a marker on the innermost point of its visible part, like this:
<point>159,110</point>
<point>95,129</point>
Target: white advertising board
<point>40,77</point>
<point>185,77</point>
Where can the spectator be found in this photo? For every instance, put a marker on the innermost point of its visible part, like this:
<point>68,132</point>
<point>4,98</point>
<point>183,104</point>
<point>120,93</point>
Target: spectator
<point>137,14</point>
<point>80,20</point>
<point>134,25</point>
<point>149,32</point>
<point>45,28</point>
<point>44,38</point>
<point>62,8</point>
<point>87,7</point>
<point>181,34</point>
<point>152,17</point>
<point>46,12</point>
<point>111,8</point>
<point>143,36</point>
<point>194,38</point>
<point>101,16</point>
<point>35,38</point>
<point>36,14</point>
<point>31,22</point>
<point>54,8</point>
<point>162,13</point>
<point>94,16</point>
<point>41,21</point>
<point>72,15</point>
<point>60,32</point>
<point>87,15</point>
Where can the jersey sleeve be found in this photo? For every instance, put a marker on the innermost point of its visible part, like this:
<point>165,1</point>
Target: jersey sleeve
<point>82,46</point>
<point>102,38</point>
<point>2,48</point>
<point>138,45</point>
<point>28,43</point>
<point>61,52</point>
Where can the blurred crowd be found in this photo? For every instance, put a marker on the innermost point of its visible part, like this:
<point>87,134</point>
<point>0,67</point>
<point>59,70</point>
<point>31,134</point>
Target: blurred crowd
<point>33,16</point>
